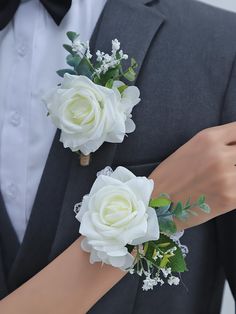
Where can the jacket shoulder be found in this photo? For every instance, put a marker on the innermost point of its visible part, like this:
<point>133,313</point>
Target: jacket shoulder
<point>215,24</point>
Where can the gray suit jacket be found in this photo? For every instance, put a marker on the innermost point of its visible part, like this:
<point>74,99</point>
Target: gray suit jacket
<point>186,54</point>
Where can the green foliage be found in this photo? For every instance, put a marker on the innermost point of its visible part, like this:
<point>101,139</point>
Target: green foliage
<point>177,262</point>
<point>201,199</point>
<point>109,83</point>
<point>97,80</point>
<point>159,202</point>
<point>134,64</point>
<point>81,65</point>
<point>116,74</point>
<point>73,61</point>
<point>122,88</point>
<point>166,213</point>
<point>205,208</point>
<point>172,255</point>
<point>85,68</point>
<point>149,251</point>
<point>167,225</point>
<point>130,74</point>
<point>201,202</point>
<point>72,36</point>
<point>165,218</point>
<point>183,212</point>
<point>178,209</point>
<point>64,71</point>
<point>111,74</point>
<point>69,49</point>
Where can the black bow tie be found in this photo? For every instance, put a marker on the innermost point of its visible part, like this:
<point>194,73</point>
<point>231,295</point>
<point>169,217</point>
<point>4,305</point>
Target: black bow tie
<point>56,8</point>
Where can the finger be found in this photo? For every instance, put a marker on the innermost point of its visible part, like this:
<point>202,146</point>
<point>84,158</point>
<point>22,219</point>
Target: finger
<point>227,132</point>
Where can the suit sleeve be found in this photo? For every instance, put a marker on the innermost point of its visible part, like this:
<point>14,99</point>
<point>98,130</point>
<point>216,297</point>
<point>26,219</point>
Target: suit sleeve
<point>226,224</point>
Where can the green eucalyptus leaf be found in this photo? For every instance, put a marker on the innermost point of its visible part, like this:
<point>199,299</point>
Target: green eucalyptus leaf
<point>64,71</point>
<point>201,199</point>
<point>84,68</point>
<point>192,212</point>
<point>205,208</point>
<point>69,49</point>
<point>159,202</point>
<point>163,211</point>
<point>178,210</point>
<point>73,61</point>
<point>188,204</point>
<point>167,225</point>
<point>97,80</point>
<point>72,36</point>
<point>111,74</point>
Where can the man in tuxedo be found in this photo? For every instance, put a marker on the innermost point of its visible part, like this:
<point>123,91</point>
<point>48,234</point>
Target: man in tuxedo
<point>186,54</point>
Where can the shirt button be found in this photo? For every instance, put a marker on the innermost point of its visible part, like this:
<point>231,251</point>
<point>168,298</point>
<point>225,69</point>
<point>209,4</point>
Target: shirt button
<point>11,191</point>
<point>21,50</point>
<point>15,118</point>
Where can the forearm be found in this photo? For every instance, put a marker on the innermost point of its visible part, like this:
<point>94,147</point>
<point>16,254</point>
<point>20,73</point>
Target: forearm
<point>70,284</point>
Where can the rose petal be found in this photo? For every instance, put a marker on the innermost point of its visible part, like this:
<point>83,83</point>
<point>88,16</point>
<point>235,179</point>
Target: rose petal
<point>153,231</point>
<point>122,174</point>
<point>142,187</point>
<point>130,126</point>
<point>123,262</point>
<point>103,181</point>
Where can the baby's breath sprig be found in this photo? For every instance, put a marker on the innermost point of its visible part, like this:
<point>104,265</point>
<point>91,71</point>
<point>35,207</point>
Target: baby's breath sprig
<point>104,68</point>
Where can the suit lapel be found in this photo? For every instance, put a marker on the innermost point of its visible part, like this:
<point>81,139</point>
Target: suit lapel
<point>3,284</point>
<point>34,251</point>
<point>9,246</point>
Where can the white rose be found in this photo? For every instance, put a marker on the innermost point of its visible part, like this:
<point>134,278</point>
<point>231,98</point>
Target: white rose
<point>117,213</point>
<point>89,114</point>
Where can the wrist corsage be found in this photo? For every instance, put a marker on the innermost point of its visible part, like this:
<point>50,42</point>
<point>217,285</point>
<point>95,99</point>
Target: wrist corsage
<point>124,227</point>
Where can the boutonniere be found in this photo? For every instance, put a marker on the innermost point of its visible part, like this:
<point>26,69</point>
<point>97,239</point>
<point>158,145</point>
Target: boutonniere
<point>93,104</point>
<point>124,227</point>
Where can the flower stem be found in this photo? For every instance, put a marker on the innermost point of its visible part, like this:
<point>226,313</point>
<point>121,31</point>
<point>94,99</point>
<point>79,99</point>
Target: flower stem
<point>85,160</point>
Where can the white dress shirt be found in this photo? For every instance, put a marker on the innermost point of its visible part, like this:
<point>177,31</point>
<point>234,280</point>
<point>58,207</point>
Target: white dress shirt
<point>30,54</point>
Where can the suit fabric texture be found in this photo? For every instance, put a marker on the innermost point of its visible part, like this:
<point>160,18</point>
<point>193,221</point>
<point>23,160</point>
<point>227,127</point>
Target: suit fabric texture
<point>187,77</point>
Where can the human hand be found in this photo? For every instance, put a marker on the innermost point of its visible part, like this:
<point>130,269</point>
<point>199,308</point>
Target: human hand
<point>204,165</point>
